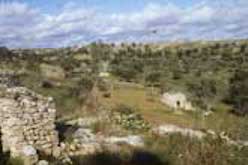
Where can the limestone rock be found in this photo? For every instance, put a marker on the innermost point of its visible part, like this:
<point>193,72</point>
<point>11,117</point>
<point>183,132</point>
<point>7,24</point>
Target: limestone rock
<point>173,129</point>
<point>135,141</point>
<point>43,162</point>
<point>29,150</point>
<point>85,136</point>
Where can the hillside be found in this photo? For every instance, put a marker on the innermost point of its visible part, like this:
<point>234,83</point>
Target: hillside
<point>188,102</point>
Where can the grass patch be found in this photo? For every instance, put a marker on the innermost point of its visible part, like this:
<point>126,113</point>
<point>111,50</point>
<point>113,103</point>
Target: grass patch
<point>157,113</point>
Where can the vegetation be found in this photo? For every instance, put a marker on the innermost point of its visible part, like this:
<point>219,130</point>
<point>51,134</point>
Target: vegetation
<point>214,75</point>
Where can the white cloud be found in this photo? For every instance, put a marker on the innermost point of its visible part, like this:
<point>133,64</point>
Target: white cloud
<point>203,14</point>
<point>23,26</point>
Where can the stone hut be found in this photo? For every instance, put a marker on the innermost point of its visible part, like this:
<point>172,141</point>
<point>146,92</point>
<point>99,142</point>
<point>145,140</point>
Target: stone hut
<point>27,122</point>
<point>177,101</point>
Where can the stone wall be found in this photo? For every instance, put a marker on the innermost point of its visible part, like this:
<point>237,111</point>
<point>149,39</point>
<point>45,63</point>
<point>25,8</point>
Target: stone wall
<point>27,120</point>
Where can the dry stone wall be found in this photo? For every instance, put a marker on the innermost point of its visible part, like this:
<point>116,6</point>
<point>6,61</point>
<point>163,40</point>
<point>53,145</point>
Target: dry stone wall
<point>27,121</point>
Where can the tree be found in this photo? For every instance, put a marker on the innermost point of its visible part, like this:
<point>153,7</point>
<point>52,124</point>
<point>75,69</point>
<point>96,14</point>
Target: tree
<point>152,78</point>
<point>204,92</point>
<point>239,91</point>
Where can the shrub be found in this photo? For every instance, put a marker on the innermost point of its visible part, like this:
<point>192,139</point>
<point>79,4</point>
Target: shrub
<point>123,109</point>
<point>129,119</point>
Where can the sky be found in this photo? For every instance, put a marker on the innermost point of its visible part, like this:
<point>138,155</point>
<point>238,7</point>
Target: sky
<point>60,23</point>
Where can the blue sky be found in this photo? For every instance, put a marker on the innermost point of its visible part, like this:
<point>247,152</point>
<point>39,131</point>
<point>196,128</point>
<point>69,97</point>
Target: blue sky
<point>58,23</point>
<point>106,5</point>
<point>53,6</point>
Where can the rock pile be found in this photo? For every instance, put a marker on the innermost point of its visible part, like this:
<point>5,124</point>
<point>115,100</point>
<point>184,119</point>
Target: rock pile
<point>27,123</point>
